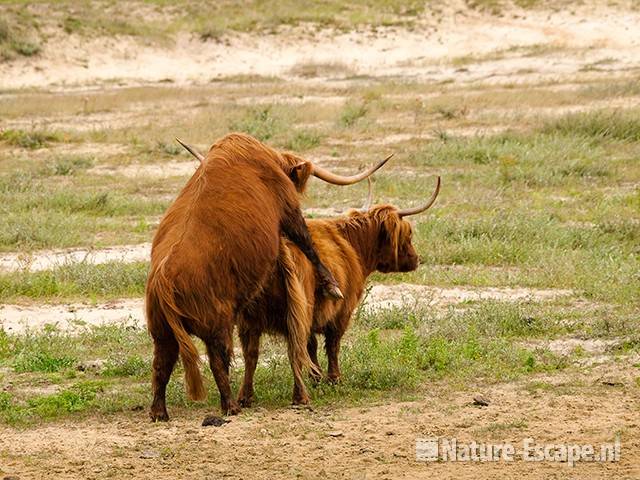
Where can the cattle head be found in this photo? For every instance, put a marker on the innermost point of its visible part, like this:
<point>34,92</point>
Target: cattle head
<point>299,170</point>
<point>393,251</point>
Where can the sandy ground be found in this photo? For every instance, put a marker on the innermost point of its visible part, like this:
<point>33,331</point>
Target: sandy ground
<point>49,259</point>
<point>18,318</point>
<point>371,441</point>
<point>404,294</point>
<point>598,32</point>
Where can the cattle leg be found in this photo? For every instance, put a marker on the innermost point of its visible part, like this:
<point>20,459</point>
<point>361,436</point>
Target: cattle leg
<point>219,350</point>
<point>295,228</point>
<point>250,342</point>
<point>165,355</point>
<point>312,348</point>
<point>332,347</point>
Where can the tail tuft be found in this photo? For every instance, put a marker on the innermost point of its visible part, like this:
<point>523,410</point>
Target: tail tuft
<point>298,316</point>
<point>188,351</point>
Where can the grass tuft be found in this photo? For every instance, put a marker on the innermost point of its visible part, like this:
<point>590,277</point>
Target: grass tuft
<point>303,140</point>
<point>261,123</point>
<point>29,139</point>
<point>77,280</point>
<point>126,366</point>
<point>352,112</point>
<point>16,39</point>
<point>599,125</point>
<point>30,361</point>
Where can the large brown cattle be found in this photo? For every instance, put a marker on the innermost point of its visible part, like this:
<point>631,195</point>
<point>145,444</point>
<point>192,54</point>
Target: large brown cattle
<point>354,246</point>
<point>214,250</point>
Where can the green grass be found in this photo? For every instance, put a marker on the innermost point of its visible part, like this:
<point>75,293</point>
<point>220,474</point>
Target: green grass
<point>16,37</point>
<point>263,123</point>
<point>132,365</point>
<point>57,205</point>
<point>77,398</point>
<point>303,140</point>
<point>41,361</point>
<point>599,125</point>
<point>29,139</point>
<point>376,362</point>
<point>353,112</point>
<point>70,165</point>
<point>77,280</point>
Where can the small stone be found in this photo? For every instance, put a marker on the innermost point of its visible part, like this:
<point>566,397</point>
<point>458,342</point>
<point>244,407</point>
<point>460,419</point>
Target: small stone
<point>90,366</point>
<point>150,454</point>
<point>481,401</point>
<point>213,420</point>
<point>612,382</point>
<point>307,407</point>
<point>335,433</point>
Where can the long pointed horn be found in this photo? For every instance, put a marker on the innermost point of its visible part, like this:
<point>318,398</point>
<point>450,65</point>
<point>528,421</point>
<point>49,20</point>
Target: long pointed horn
<point>415,210</point>
<point>329,177</point>
<point>191,150</point>
<point>367,204</point>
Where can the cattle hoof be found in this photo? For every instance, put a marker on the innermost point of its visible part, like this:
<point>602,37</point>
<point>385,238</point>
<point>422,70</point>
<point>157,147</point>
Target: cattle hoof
<point>159,416</point>
<point>301,400</point>
<point>333,379</point>
<point>234,409</point>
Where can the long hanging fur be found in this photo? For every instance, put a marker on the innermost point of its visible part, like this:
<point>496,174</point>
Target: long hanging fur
<point>298,315</point>
<point>188,351</point>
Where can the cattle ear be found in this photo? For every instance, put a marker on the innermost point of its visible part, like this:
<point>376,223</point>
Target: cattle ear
<point>300,173</point>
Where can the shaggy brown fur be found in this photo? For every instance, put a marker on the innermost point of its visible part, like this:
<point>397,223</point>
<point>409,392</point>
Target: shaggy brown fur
<point>354,246</point>
<point>215,249</point>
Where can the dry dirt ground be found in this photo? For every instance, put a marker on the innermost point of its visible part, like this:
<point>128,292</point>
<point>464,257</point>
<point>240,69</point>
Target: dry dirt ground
<point>374,441</point>
<point>585,405</point>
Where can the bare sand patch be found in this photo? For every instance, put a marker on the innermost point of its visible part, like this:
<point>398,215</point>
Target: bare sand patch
<point>18,318</point>
<point>156,170</point>
<point>410,295</point>
<point>568,346</point>
<point>49,259</point>
<point>423,52</point>
<point>293,99</point>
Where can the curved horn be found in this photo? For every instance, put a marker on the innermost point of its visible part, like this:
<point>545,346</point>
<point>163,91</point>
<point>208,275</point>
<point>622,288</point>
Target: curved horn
<point>329,177</point>
<point>367,204</point>
<point>191,150</point>
<point>413,211</point>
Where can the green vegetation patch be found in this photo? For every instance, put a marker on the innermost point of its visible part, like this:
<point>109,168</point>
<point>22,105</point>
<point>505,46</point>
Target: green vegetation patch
<point>77,280</point>
<point>107,369</point>
<point>29,139</point>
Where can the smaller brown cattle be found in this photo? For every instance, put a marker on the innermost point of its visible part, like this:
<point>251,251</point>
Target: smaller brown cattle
<point>354,246</point>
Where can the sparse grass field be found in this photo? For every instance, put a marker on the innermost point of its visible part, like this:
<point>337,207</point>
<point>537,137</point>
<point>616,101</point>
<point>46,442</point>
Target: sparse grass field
<point>541,190</point>
<point>388,354</point>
